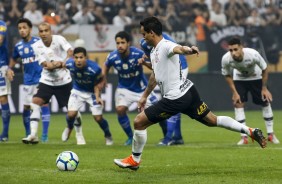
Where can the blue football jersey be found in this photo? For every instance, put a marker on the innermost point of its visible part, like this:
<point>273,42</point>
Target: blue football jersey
<point>86,78</point>
<point>32,69</point>
<point>4,52</point>
<point>147,49</point>
<point>130,74</point>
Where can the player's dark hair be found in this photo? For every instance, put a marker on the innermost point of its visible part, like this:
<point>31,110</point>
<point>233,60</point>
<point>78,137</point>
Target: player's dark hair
<point>124,35</point>
<point>25,20</point>
<point>152,24</point>
<point>235,41</point>
<point>79,50</point>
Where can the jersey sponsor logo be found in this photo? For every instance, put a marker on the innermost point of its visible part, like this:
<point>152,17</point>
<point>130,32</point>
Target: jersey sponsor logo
<point>202,108</point>
<point>185,85</point>
<point>129,75</point>
<point>28,60</point>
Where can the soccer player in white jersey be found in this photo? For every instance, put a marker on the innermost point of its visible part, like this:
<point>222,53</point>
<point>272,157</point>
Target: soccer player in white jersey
<point>249,75</point>
<point>51,52</point>
<point>179,94</point>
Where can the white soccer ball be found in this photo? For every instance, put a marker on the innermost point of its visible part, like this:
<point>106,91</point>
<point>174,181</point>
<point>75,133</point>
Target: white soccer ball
<point>67,161</point>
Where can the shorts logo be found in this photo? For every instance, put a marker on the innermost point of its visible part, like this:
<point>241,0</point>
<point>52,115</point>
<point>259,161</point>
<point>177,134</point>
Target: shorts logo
<point>202,108</point>
<point>164,115</point>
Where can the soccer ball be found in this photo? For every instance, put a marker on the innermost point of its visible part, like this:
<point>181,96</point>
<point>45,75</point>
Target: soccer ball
<point>67,161</point>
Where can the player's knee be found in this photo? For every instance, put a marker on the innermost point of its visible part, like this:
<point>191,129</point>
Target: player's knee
<point>72,114</point>
<point>121,110</point>
<point>98,118</point>
<point>141,122</point>
<point>35,111</point>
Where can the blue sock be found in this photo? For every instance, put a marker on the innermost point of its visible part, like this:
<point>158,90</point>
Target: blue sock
<point>177,129</point>
<point>170,130</point>
<point>125,124</point>
<point>105,127</point>
<point>45,119</point>
<point>70,122</point>
<point>6,119</point>
<point>163,125</point>
<point>26,121</point>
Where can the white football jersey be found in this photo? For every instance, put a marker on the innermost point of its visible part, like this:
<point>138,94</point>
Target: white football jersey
<point>57,51</point>
<point>250,68</point>
<point>167,69</point>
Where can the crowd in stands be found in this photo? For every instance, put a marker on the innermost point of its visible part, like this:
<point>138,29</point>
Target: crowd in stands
<point>195,16</point>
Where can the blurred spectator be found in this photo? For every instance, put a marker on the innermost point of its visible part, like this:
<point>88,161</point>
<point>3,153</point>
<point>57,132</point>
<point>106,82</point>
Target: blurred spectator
<point>2,12</point>
<point>270,15</point>
<point>155,8</point>
<point>62,13</point>
<point>51,17</point>
<point>14,13</point>
<point>140,10</point>
<point>122,19</point>
<point>33,14</point>
<point>244,7</point>
<point>255,19</point>
<point>230,7</point>
<point>129,5</point>
<point>73,7</point>
<point>100,18</point>
<point>170,19</point>
<point>202,23</point>
<point>83,16</point>
<point>217,16</point>
<point>111,9</point>
<point>184,7</point>
<point>233,19</point>
<point>200,4</point>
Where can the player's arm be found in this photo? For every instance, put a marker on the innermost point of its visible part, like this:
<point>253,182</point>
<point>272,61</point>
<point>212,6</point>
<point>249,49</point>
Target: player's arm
<point>235,96</point>
<point>52,65</point>
<point>266,95</point>
<point>105,71</point>
<point>186,50</point>
<point>10,72</point>
<point>150,87</point>
<point>145,61</point>
<point>97,89</point>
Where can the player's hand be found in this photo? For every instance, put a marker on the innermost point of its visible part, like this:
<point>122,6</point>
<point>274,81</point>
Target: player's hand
<point>266,95</point>
<point>142,60</point>
<point>141,104</point>
<point>236,98</point>
<point>100,101</point>
<point>10,74</point>
<point>195,50</point>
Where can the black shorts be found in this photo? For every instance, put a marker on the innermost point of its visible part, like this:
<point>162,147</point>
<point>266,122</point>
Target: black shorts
<point>189,104</point>
<point>254,87</point>
<point>62,93</point>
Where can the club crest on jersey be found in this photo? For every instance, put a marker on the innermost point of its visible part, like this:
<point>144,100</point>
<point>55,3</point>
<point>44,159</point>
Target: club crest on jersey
<point>79,75</point>
<point>26,50</point>
<point>125,66</point>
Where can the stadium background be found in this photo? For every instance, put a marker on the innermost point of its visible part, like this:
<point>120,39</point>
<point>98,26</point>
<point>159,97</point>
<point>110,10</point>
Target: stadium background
<point>261,31</point>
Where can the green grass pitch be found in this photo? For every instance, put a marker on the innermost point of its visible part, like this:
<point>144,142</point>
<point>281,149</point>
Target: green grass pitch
<point>209,155</point>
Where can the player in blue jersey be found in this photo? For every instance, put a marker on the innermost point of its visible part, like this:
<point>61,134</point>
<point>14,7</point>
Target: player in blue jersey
<point>173,135</point>
<point>86,75</point>
<point>32,72</point>
<point>131,79</point>
<point>5,85</point>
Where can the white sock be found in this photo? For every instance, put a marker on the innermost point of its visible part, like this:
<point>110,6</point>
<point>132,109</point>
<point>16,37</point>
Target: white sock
<point>139,141</point>
<point>232,124</point>
<point>34,118</point>
<point>240,117</point>
<point>268,118</point>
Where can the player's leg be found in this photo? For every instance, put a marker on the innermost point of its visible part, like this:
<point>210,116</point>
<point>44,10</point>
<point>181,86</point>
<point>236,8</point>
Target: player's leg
<point>5,90</point>
<point>75,102</point>
<point>142,121</point>
<point>122,101</point>
<point>242,88</point>
<point>268,119</point>
<point>5,118</point>
<point>97,112</point>
<point>256,87</point>
<point>200,111</point>
<point>26,119</point>
<point>177,137</point>
<point>45,113</point>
